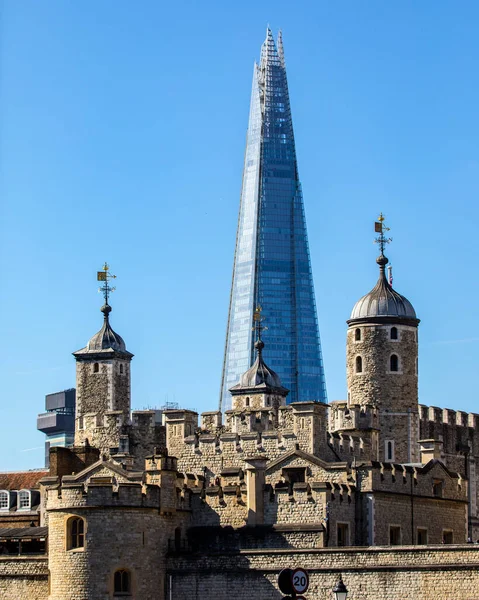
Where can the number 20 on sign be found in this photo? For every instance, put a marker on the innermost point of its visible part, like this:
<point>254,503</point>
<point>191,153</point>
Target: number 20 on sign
<point>300,581</point>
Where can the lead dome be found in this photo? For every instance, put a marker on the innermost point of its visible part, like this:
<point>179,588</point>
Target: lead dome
<point>383,302</point>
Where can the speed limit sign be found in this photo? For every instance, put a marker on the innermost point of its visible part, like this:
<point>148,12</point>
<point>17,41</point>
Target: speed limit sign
<point>300,580</point>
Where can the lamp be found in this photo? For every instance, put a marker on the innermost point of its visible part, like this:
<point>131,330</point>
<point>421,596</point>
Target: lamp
<point>340,591</point>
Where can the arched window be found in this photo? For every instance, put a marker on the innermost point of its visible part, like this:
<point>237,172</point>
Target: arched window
<point>121,369</point>
<point>122,582</point>
<point>75,533</point>
<point>4,500</point>
<point>96,368</point>
<point>24,500</point>
<point>394,333</point>
<point>247,402</point>
<point>359,364</point>
<point>357,335</point>
<point>394,363</point>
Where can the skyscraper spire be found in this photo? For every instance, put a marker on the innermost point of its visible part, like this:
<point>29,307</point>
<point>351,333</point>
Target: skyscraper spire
<point>272,266</point>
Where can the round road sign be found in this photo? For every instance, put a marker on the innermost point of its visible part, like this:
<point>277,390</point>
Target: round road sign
<point>300,580</point>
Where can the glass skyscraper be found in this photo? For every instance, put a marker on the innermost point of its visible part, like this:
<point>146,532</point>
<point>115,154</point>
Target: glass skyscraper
<point>271,264</point>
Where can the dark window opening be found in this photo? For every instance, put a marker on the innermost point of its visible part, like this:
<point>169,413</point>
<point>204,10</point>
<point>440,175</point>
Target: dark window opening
<point>390,454</point>
<point>247,402</point>
<point>122,582</point>
<point>76,533</point>
<point>96,368</point>
<point>394,363</point>
<point>343,534</point>
<point>422,537</point>
<point>437,486</point>
<point>294,475</point>
<point>359,364</point>
<point>121,369</point>
<point>394,333</point>
<point>394,535</point>
<point>357,335</point>
<point>447,537</point>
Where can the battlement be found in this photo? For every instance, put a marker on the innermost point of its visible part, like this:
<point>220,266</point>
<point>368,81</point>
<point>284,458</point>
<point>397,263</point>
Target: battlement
<point>343,417</point>
<point>101,492</point>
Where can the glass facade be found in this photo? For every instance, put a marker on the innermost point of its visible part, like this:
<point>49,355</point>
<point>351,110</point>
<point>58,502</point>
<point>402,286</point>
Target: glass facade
<point>271,264</point>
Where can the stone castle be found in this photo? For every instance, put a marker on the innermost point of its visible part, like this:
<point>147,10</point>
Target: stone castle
<point>377,487</point>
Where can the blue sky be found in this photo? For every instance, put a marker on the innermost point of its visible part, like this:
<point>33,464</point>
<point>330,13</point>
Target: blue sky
<point>122,130</point>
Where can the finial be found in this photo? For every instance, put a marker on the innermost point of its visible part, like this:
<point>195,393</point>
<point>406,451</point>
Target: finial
<point>258,327</point>
<point>105,289</point>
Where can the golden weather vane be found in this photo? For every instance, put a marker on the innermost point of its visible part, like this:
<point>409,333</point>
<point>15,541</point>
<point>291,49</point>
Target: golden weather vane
<point>105,276</point>
<point>257,322</point>
<point>380,227</point>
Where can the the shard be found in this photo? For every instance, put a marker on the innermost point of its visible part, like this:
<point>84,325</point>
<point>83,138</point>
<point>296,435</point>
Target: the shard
<point>271,264</point>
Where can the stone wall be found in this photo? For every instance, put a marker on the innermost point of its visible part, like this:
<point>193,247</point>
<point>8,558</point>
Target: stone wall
<point>395,393</point>
<point>400,573</point>
<point>23,577</point>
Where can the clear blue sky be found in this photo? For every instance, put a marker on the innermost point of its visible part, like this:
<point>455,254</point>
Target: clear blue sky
<point>122,130</point>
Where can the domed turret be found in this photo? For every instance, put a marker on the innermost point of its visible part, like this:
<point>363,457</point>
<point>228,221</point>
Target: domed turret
<point>103,382</point>
<point>381,363</point>
<point>259,386</point>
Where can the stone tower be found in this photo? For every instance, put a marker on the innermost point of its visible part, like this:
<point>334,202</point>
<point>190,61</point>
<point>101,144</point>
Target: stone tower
<point>103,389</point>
<point>381,364</point>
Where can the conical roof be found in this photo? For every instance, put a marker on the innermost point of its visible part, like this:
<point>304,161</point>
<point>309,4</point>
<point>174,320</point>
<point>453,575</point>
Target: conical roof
<point>382,302</point>
<point>259,376</point>
<point>106,341</point>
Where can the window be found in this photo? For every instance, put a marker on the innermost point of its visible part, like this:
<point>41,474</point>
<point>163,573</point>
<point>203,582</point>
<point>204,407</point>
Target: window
<point>343,534</point>
<point>121,369</point>
<point>394,363</point>
<point>437,486</point>
<point>23,500</point>
<point>4,500</point>
<point>357,335</point>
<point>96,368</point>
<point>121,582</point>
<point>447,537</point>
<point>389,450</point>
<point>394,333</point>
<point>421,536</point>
<point>247,401</point>
<point>75,533</point>
<point>394,535</point>
<point>359,364</point>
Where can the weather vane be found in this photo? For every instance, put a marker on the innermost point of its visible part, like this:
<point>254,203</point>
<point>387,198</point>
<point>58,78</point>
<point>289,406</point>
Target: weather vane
<point>105,276</point>
<point>380,228</point>
<point>257,322</point>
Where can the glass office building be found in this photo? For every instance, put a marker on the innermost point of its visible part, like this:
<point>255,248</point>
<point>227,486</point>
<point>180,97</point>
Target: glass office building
<point>271,264</point>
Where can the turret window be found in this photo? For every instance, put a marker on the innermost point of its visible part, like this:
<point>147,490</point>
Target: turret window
<point>122,583</point>
<point>357,335</point>
<point>389,451</point>
<point>75,533</point>
<point>121,369</point>
<point>394,333</point>
<point>96,368</point>
<point>394,363</point>
<point>359,364</point>
<point>247,402</point>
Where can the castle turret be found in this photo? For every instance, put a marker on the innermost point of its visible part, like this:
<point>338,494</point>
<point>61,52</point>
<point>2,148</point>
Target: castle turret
<point>259,390</point>
<point>381,362</point>
<point>103,386</point>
